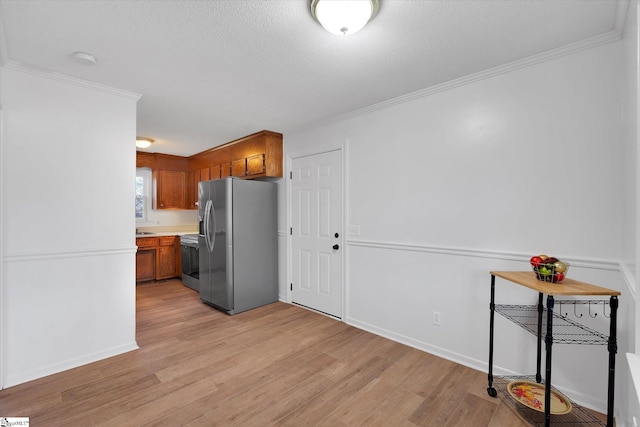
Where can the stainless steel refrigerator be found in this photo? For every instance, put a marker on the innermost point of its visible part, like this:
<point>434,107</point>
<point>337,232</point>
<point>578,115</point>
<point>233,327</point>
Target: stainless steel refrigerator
<point>238,243</point>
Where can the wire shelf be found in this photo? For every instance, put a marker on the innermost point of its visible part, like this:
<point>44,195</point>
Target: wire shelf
<point>565,330</point>
<point>578,415</point>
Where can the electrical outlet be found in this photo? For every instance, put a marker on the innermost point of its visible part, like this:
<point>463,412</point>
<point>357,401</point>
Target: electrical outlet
<point>353,230</point>
<point>436,318</point>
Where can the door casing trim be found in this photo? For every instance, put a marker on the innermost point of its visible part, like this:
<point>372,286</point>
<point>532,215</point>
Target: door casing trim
<point>312,151</point>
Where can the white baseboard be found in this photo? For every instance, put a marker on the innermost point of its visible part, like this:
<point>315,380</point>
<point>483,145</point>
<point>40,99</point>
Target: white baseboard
<point>68,364</point>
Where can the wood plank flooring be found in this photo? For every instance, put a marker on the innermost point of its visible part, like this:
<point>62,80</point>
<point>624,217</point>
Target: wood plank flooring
<point>274,365</point>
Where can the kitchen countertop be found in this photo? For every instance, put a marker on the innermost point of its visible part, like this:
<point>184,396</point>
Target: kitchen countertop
<point>165,234</point>
<point>165,231</point>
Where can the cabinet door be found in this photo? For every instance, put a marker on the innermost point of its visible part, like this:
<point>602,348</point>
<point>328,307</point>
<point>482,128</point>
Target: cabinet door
<point>255,164</point>
<point>204,174</point>
<point>172,189</point>
<point>225,170</point>
<point>167,258</point>
<point>215,172</point>
<point>196,179</point>
<point>239,167</point>
<point>145,264</point>
<point>192,191</point>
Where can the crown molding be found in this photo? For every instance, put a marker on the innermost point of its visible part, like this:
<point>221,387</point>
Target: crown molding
<point>65,78</point>
<point>613,35</point>
<point>8,63</point>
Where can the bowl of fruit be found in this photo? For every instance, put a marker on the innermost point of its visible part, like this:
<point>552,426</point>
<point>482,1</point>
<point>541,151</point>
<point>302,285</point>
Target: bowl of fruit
<point>549,269</point>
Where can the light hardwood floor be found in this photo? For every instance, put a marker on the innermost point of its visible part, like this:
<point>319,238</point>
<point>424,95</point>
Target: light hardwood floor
<point>274,365</point>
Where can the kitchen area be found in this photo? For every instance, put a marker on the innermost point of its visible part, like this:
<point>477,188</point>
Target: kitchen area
<point>222,198</point>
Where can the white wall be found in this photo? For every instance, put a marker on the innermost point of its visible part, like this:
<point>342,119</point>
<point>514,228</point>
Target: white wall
<point>631,237</point>
<point>2,222</point>
<point>68,202</point>
<point>170,218</point>
<point>629,144</point>
<point>479,177</point>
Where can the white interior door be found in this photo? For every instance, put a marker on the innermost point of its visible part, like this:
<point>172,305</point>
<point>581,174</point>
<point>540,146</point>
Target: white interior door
<point>317,232</point>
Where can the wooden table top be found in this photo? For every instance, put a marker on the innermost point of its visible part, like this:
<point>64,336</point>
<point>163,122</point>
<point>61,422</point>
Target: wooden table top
<point>567,287</point>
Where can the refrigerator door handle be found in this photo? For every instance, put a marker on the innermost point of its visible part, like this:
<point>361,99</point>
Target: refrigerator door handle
<point>207,231</point>
<point>204,223</point>
<point>213,232</point>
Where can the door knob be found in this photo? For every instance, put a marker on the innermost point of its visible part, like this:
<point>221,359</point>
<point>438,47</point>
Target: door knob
<point>336,247</point>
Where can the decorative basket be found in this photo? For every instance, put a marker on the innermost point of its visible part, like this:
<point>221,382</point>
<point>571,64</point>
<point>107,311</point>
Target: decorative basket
<point>554,272</point>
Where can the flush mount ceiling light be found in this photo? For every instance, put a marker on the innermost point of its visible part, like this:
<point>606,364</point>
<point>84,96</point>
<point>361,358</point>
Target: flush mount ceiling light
<point>143,142</point>
<point>343,17</point>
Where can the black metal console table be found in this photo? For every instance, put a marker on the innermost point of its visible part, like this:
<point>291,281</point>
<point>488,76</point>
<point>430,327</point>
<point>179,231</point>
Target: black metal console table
<point>567,331</point>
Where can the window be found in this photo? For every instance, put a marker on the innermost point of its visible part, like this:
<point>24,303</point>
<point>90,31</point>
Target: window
<point>143,191</point>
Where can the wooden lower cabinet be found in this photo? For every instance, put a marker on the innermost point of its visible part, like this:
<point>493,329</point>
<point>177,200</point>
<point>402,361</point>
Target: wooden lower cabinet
<point>145,264</point>
<point>158,258</point>
<point>168,255</point>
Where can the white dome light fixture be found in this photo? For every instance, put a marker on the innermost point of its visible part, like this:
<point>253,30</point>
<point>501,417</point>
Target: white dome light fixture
<point>344,17</point>
<point>143,142</point>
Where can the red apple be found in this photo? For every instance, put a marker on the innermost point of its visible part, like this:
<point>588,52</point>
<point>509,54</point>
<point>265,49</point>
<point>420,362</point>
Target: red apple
<point>536,261</point>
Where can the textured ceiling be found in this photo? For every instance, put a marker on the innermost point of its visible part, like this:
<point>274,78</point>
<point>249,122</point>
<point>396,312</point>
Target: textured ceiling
<point>213,71</point>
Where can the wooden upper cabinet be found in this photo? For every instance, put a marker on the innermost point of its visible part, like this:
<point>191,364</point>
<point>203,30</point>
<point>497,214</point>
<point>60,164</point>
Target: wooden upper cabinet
<point>196,180</point>
<point>273,155</point>
<point>254,156</point>
<point>239,167</point>
<point>215,172</point>
<point>225,170</point>
<point>192,190</point>
<point>176,178</point>
<point>193,178</point>
<point>204,174</point>
<point>171,189</point>
<point>169,181</point>
<point>255,164</point>
<point>145,160</point>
